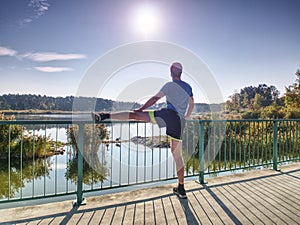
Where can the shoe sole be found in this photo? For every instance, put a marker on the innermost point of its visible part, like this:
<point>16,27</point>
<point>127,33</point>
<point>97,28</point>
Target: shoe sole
<point>179,195</point>
<point>96,117</point>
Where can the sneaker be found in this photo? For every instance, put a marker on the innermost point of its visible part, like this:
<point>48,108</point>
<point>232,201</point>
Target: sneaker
<point>180,193</point>
<point>96,117</point>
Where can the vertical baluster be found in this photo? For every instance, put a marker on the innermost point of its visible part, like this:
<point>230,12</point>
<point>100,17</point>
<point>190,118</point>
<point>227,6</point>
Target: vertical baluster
<point>9,158</point>
<point>262,141</point>
<point>249,143</point>
<point>120,157</point>
<point>137,155</point>
<point>281,140</point>
<point>267,143</point>
<point>201,152</point>
<point>219,150</point>
<point>21,162</point>
<point>289,140</point>
<point>253,144</point>
<point>159,156</point>
<point>80,163</point>
<point>297,143</point>
<point>152,153</point>
<point>128,155</point>
<point>56,139</point>
<point>258,142</point>
<point>167,158</point>
<point>45,164</point>
<point>230,145</point>
<point>285,154</point>
<point>145,153</point>
<point>275,146</point>
<point>293,140</point>
<point>111,154</point>
<point>237,144</point>
<point>214,144</point>
<point>186,147</point>
<point>285,140</point>
<point>93,152</point>
<point>225,148</point>
<point>240,143</point>
<point>194,147</point>
<point>244,149</point>
<point>208,147</point>
<point>33,158</point>
<point>67,161</point>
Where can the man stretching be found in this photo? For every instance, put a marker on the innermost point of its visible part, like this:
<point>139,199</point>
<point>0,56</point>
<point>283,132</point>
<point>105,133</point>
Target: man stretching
<point>180,104</point>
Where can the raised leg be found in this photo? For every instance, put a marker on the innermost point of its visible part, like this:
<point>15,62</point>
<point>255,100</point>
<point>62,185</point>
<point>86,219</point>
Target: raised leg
<point>141,116</point>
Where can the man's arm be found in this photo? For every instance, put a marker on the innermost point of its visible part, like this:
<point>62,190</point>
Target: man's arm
<point>190,108</point>
<point>151,101</point>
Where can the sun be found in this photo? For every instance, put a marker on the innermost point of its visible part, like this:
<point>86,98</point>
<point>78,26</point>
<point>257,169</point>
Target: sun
<point>146,20</point>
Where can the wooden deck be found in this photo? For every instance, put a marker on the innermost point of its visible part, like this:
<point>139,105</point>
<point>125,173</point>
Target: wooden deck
<point>257,197</point>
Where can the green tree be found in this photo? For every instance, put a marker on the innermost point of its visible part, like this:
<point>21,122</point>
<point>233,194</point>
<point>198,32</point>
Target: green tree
<point>292,95</point>
<point>14,137</point>
<point>292,98</point>
<point>9,136</point>
<point>246,101</point>
<point>247,97</point>
<point>272,112</point>
<point>257,101</point>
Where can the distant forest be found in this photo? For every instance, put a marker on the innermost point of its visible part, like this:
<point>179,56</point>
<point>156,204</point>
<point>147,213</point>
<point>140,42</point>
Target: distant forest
<point>28,102</point>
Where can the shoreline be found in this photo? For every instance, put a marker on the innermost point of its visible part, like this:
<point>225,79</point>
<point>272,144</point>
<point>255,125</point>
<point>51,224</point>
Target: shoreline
<point>35,111</point>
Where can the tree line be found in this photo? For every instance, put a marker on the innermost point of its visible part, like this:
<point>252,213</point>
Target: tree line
<point>28,102</point>
<point>48,103</point>
<point>265,102</point>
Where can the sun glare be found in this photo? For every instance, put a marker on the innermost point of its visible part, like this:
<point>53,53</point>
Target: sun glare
<point>146,20</point>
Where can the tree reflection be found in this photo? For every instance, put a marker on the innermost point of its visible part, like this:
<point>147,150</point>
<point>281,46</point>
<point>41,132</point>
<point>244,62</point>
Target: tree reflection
<point>94,165</point>
<point>20,173</point>
<point>91,174</point>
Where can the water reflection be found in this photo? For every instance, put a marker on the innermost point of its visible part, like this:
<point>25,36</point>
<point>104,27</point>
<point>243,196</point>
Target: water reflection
<point>21,178</point>
<point>91,174</point>
<point>20,173</point>
<point>32,174</point>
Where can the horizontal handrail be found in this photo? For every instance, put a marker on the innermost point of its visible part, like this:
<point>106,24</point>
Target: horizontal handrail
<point>76,121</point>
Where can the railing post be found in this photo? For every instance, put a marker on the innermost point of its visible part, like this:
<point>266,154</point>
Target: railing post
<point>201,153</point>
<point>275,144</point>
<point>80,163</point>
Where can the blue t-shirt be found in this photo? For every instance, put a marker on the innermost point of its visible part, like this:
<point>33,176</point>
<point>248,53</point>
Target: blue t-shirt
<point>178,94</point>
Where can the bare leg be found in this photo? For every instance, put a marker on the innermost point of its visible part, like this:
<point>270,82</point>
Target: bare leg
<point>176,148</point>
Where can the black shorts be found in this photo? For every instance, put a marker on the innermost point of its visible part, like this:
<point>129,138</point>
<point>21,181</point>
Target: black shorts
<point>169,119</point>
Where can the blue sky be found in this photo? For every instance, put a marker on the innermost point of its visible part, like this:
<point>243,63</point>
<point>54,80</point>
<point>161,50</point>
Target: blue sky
<point>46,46</point>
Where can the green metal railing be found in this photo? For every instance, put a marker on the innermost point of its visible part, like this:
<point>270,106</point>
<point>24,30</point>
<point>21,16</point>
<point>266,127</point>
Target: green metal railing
<point>41,159</point>
<point>244,144</point>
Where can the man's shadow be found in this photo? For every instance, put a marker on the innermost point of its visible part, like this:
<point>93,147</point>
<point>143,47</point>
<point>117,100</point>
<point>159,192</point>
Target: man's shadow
<point>190,218</point>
